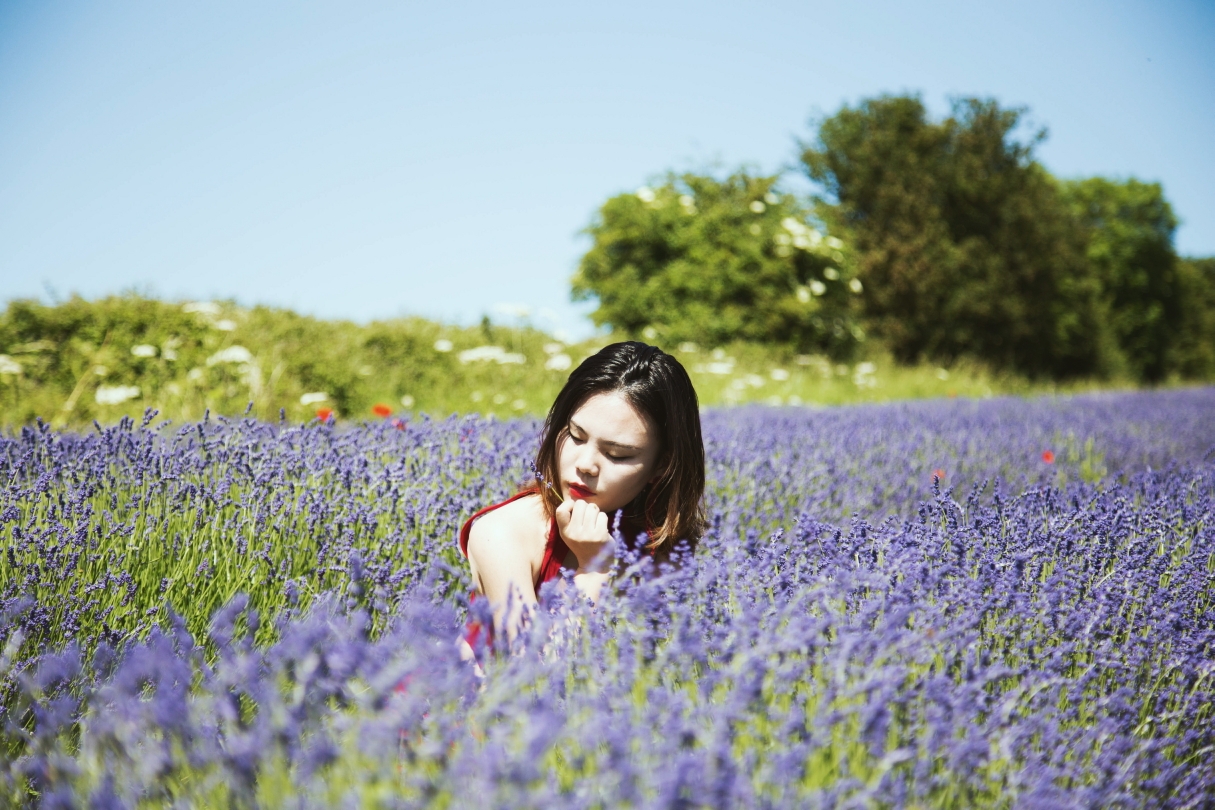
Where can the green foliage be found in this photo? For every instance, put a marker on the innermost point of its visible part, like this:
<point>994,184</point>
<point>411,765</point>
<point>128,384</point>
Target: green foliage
<point>962,240</point>
<point>82,360</point>
<point>1192,351</point>
<point>1129,230</point>
<point>50,357</point>
<point>714,261</point>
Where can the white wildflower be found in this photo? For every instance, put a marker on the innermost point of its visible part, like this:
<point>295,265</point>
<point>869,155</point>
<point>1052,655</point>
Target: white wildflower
<point>518,404</point>
<point>443,345</point>
<point>487,353</point>
<point>225,325</point>
<point>757,206</point>
<point>499,398</point>
<point>942,374</point>
<point>720,368</point>
<point>232,354</point>
<point>771,199</point>
<point>115,394</point>
<point>856,286</point>
<point>864,377</point>
<point>645,194</point>
<point>817,287</point>
<point>649,333</point>
<point>407,401</point>
<point>8,365</point>
<point>313,398</point>
<point>553,348</point>
<point>831,274</point>
<point>803,294</point>
<point>143,350</point>
<point>834,243</point>
<point>195,375</point>
<point>558,362</point>
<point>779,374</point>
<point>688,347</point>
<point>754,380</point>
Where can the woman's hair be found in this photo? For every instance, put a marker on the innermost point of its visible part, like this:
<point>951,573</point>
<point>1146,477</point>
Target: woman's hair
<point>656,385</point>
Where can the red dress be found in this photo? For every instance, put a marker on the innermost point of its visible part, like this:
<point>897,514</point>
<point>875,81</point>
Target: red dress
<point>555,549</point>
<point>555,552</point>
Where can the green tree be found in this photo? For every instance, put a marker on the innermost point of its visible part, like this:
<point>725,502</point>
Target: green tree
<point>713,261</point>
<point>961,238</point>
<point>1129,227</point>
<point>1192,351</point>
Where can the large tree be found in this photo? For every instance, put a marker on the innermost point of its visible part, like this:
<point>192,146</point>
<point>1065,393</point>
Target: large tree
<point>696,258</point>
<point>1128,227</point>
<point>962,240</point>
<point>1192,352</point>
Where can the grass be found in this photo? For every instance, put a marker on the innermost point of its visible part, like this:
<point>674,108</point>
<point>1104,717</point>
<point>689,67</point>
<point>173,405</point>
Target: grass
<point>102,360</point>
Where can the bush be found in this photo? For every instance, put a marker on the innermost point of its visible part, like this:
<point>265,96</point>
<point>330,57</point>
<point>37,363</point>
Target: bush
<point>714,261</point>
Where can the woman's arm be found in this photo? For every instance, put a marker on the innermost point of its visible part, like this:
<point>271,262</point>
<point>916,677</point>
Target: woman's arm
<point>502,570</point>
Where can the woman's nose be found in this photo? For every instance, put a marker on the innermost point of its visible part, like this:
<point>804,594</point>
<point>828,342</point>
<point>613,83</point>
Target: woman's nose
<point>586,463</point>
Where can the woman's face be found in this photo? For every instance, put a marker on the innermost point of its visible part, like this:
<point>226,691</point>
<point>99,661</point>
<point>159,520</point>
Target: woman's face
<point>608,452</point>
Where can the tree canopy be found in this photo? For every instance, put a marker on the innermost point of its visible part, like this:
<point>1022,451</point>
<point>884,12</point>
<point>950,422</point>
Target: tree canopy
<point>961,238</point>
<point>1128,230</point>
<point>948,240</point>
<point>698,259</point>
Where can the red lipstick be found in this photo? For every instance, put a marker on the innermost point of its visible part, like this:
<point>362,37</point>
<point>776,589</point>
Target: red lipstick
<point>580,492</point>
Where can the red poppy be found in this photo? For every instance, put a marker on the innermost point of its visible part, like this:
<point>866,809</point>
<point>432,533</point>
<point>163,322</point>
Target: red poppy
<point>1048,456</point>
<point>324,414</point>
<point>399,424</point>
<point>380,409</point>
<point>939,473</point>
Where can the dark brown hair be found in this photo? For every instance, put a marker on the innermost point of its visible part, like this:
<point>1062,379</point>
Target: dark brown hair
<point>653,382</point>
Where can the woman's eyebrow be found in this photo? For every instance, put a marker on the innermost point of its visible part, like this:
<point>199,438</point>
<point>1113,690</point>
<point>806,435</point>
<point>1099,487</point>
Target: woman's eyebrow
<point>620,445</point>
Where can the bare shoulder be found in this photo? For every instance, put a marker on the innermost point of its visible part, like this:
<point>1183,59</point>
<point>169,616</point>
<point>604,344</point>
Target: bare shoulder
<point>517,529</point>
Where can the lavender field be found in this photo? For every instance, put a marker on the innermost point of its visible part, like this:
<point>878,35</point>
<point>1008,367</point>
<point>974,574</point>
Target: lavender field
<point>1002,603</point>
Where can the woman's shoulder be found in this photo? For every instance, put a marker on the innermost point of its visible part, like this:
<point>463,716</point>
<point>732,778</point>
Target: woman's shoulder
<point>520,523</point>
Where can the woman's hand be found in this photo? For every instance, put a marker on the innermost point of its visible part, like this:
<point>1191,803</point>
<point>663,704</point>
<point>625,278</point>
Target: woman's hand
<point>585,530</point>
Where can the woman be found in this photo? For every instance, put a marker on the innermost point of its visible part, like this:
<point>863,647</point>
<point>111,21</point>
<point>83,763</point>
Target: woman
<point>623,434</point>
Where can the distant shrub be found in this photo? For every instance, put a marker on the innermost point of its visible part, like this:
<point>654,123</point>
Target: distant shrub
<point>713,261</point>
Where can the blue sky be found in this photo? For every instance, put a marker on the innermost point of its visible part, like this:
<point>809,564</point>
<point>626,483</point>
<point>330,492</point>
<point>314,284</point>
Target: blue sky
<point>365,161</point>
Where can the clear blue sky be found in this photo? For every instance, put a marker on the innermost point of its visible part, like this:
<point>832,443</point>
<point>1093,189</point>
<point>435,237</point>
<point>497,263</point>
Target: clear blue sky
<point>361,161</point>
